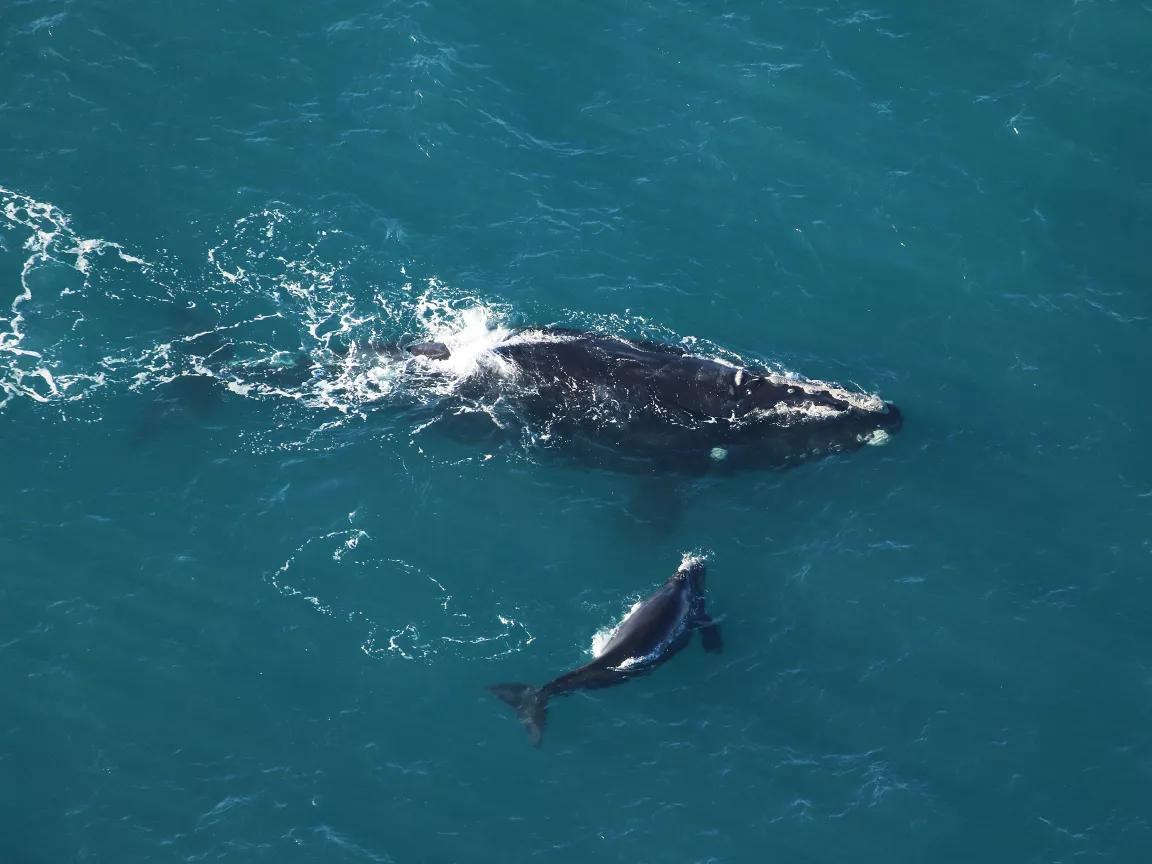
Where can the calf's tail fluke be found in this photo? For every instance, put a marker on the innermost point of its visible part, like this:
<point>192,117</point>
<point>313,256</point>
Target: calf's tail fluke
<point>530,704</point>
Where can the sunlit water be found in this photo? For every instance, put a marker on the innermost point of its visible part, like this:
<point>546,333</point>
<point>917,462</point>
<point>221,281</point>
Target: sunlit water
<point>251,595</point>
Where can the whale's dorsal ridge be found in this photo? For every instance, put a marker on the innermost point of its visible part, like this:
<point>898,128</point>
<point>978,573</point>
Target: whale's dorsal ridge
<point>431,350</point>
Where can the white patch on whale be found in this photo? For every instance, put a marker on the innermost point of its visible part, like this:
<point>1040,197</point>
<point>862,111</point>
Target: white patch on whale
<point>875,438</point>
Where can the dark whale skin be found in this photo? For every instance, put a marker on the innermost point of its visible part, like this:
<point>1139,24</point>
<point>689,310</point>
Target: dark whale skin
<point>655,630</point>
<point>626,403</point>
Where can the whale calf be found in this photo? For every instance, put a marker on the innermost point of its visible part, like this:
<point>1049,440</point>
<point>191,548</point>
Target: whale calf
<point>623,402</point>
<point>654,630</point>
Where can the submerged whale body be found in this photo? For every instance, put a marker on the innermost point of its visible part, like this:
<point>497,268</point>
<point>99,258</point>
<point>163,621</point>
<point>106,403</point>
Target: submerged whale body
<point>620,401</point>
<point>653,631</point>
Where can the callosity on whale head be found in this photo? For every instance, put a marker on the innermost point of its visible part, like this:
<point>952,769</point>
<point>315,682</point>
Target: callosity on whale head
<point>780,420</point>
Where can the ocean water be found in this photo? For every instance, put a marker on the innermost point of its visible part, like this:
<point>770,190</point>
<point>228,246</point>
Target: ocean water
<point>250,617</point>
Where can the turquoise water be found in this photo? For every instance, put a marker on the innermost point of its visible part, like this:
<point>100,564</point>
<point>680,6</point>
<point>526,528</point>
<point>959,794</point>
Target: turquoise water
<point>250,620</point>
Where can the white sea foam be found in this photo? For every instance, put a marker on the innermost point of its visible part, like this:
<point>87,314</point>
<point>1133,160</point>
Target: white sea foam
<point>691,559</point>
<point>470,334</point>
<point>38,365</point>
<point>603,636</point>
<point>415,618</point>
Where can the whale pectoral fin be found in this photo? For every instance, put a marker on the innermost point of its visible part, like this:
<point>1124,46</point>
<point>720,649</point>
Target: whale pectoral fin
<point>710,636</point>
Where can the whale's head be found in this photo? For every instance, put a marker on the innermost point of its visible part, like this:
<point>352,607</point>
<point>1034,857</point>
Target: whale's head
<point>876,426</point>
<point>854,428</point>
<point>887,421</point>
<point>786,421</point>
<point>693,571</point>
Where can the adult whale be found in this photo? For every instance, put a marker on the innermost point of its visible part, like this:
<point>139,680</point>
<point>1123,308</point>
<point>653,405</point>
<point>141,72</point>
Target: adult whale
<point>623,402</point>
<point>654,630</point>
